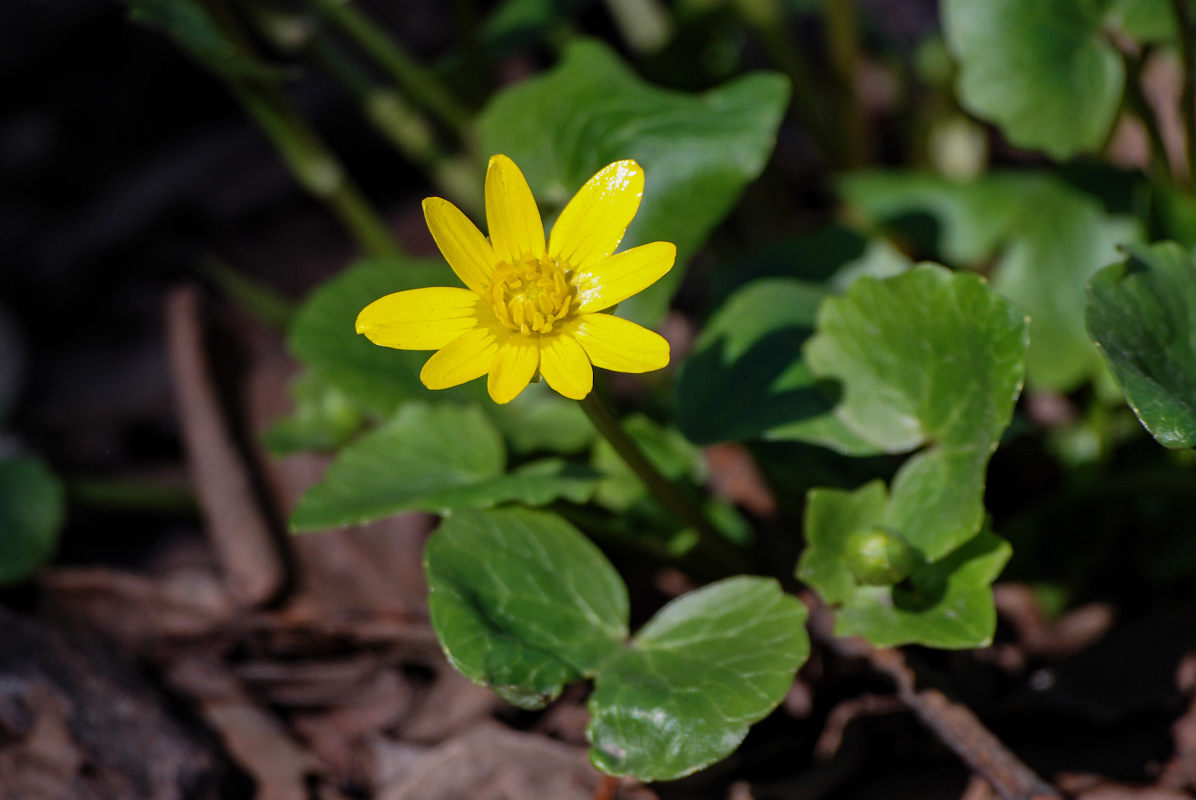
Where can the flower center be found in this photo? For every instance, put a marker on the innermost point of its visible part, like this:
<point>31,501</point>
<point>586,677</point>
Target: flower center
<point>531,295</point>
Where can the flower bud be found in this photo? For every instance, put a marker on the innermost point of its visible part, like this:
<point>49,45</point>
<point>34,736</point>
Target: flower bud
<point>879,557</point>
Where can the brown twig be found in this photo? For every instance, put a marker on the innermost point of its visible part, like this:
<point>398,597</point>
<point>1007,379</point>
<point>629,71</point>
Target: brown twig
<point>240,535</point>
<point>608,788</point>
<point>952,723</point>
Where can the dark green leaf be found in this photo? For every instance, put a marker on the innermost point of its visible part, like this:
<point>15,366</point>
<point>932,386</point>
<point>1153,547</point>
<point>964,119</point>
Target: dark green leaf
<point>522,602</point>
<point>1142,315</point>
<point>323,335</point>
<point>539,419</point>
<point>945,604</point>
<point>745,379</point>
<point>32,508</point>
<point>431,458</point>
<point>702,670</point>
<point>697,151</point>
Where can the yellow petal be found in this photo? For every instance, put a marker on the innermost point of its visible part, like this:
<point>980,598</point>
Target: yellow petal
<point>419,319</point>
<point>565,366</point>
<point>461,243</point>
<point>516,231</point>
<point>619,344</point>
<point>513,367</point>
<point>467,357</point>
<point>614,279</point>
<point>594,221</point>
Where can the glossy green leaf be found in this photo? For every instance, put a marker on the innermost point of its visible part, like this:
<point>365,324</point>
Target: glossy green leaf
<point>697,151</point>
<point>695,677</point>
<point>1043,70</point>
<point>929,359</point>
<point>323,419</point>
<point>32,509</point>
<point>324,338</point>
<point>522,602</point>
<point>1054,237</point>
<point>947,603</point>
<point>431,458</point>
<point>745,378</point>
<point>1142,315</point>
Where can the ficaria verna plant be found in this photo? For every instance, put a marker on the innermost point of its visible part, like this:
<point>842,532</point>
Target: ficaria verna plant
<point>871,390</point>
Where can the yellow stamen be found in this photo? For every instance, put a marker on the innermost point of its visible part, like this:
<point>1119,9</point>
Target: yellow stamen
<point>530,296</point>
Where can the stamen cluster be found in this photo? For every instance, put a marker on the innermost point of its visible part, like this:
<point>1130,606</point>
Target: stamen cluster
<point>530,296</point>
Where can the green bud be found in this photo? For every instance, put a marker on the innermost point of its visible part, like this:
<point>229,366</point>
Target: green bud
<point>879,557</point>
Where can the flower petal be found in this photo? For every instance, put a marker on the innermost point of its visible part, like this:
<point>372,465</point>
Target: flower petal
<point>516,230</point>
<point>419,319</point>
<point>513,367</point>
<point>594,221</point>
<point>565,366</point>
<point>461,243</point>
<point>619,344</point>
<point>467,357</point>
<point>614,279</point>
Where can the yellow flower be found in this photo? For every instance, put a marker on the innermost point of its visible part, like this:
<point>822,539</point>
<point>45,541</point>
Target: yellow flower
<point>530,306</point>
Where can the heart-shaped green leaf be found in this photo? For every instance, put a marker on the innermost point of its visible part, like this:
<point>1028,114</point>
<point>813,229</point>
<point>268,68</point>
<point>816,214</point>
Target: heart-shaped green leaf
<point>524,603</point>
<point>697,151</point>
<point>1043,70</point>
<point>1142,315</point>
<point>745,379</point>
<point>431,458</point>
<point>32,508</point>
<point>928,358</point>
<point>1054,237</point>
<point>945,604</point>
<point>323,336</point>
<point>706,667</point>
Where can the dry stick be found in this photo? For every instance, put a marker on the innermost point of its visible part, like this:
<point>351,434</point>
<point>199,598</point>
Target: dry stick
<point>240,535</point>
<point>608,788</point>
<point>953,723</point>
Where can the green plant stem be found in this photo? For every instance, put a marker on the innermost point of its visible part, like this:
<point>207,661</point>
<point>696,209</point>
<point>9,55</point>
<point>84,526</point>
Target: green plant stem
<point>1187,113</point>
<point>417,80</point>
<point>1136,104</point>
<point>844,44</point>
<point>316,167</point>
<point>129,494</point>
<point>311,162</point>
<point>711,547</point>
<point>403,126</point>
<point>768,18</point>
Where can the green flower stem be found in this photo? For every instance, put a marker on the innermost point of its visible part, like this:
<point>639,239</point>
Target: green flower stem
<point>403,126</point>
<point>844,43</point>
<point>418,81</point>
<point>1187,105</point>
<point>1136,104</point>
<point>712,548</point>
<point>317,168</point>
